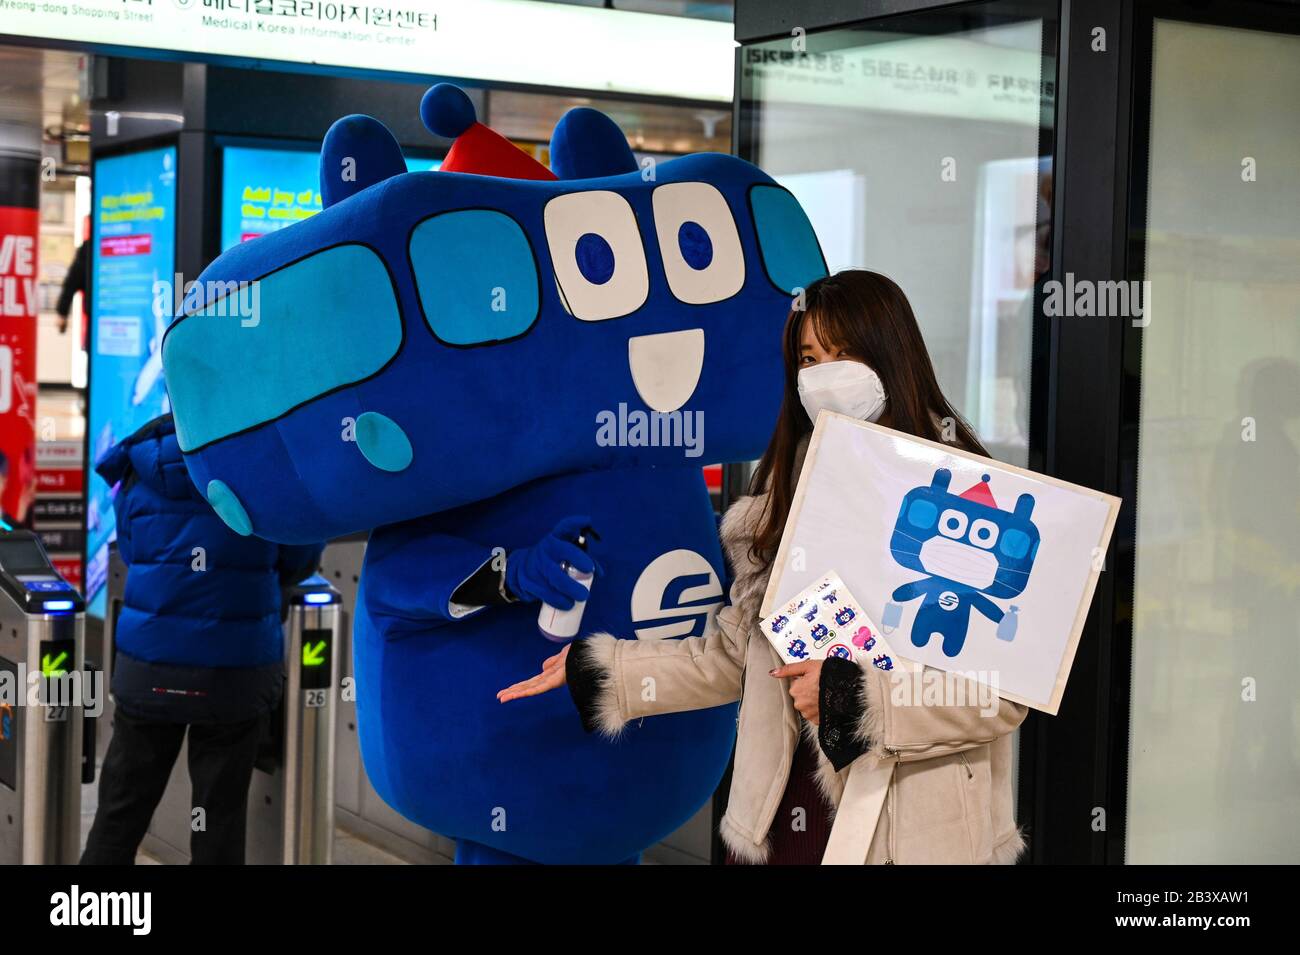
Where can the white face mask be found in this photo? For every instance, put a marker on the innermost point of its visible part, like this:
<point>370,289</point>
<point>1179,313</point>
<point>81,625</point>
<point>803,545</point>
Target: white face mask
<point>848,387</point>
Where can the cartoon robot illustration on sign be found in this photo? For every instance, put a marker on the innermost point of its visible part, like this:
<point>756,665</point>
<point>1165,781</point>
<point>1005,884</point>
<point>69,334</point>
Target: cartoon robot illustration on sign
<point>970,551</point>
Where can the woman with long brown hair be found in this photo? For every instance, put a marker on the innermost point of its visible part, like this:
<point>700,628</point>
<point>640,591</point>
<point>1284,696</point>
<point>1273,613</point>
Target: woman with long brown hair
<point>854,348</point>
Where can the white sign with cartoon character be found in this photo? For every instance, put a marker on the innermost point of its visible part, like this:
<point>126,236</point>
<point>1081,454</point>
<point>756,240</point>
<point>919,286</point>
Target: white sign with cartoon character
<point>973,566</point>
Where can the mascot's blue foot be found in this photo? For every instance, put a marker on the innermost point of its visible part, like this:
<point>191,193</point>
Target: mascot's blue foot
<point>475,853</point>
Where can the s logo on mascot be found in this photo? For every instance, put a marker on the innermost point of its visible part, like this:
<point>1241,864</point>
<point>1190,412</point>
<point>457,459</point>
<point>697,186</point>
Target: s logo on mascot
<point>477,323</point>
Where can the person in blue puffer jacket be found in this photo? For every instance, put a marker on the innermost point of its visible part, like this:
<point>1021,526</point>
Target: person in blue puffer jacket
<point>199,647</point>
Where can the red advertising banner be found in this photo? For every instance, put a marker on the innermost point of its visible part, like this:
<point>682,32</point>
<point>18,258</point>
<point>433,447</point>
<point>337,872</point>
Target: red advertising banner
<point>19,241</point>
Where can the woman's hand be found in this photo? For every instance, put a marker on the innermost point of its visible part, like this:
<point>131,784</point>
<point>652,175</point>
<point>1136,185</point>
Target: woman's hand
<point>552,677</point>
<point>805,686</point>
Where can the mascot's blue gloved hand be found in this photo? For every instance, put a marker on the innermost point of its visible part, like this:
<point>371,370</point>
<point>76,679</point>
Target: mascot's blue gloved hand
<point>537,573</point>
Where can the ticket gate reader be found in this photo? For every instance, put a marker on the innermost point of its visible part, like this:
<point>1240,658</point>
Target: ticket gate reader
<point>43,687</point>
<point>291,796</point>
<point>291,804</point>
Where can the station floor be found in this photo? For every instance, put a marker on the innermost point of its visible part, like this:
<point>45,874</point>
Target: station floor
<point>349,849</point>
<point>688,846</point>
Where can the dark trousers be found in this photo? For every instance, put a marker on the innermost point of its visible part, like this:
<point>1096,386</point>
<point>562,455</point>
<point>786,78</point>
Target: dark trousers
<point>134,775</point>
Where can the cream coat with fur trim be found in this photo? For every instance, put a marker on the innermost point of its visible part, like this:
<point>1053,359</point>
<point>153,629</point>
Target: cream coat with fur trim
<point>949,799</point>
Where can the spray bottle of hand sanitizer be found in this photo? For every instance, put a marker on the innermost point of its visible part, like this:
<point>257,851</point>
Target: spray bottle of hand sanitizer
<point>562,626</point>
<point>1008,624</point>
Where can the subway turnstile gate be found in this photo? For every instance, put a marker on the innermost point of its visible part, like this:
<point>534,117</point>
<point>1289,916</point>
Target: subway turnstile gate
<point>291,807</point>
<point>291,797</point>
<point>43,690</point>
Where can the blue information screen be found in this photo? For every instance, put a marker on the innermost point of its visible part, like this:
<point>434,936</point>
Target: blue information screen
<point>134,260</point>
<point>263,189</point>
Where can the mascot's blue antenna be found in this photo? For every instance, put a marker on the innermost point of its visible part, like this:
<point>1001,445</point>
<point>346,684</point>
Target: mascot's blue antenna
<point>446,111</point>
<point>358,152</point>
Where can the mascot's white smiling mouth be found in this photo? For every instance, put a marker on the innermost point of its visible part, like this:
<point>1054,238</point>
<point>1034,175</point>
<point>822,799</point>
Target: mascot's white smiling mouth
<point>666,367</point>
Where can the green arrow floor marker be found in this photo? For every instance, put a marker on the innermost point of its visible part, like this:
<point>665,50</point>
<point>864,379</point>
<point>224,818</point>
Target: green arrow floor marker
<point>54,667</point>
<point>313,656</point>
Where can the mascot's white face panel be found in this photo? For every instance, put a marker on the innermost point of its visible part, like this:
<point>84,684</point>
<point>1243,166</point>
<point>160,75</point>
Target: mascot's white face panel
<point>677,595</point>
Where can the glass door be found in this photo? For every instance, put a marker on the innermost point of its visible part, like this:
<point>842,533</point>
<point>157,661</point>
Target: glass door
<point>1214,733</point>
<point>920,147</point>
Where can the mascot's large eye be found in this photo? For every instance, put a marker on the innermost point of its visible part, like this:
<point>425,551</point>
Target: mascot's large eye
<point>952,523</point>
<point>476,275</point>
<point>921,514</point>
<point>596,250</point>
<point>791,255</point>
<point>984,534</point>
<point>331,317</point>
<point>699,242</point>
<point>1015,544</point>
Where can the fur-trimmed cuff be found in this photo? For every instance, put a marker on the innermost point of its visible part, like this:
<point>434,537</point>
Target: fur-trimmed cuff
<point>1007,851</point>
<point>741,845</point>
<point>589,673</point>
<point>870,727</point>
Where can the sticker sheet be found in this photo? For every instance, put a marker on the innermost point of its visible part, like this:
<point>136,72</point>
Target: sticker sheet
<point>826,621</point>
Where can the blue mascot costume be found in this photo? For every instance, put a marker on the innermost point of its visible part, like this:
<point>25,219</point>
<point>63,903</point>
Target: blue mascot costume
<point>460,361</point>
